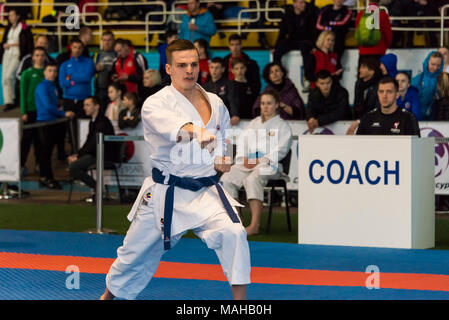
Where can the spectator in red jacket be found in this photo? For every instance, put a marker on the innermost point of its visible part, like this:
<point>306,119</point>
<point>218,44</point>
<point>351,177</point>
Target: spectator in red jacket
<point>386,37</point>
<point>323,58</point>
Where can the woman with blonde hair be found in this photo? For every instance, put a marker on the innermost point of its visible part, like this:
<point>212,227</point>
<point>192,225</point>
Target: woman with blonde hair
<point>323,57</point>
<point>442,100</point>
<point>151,84</point>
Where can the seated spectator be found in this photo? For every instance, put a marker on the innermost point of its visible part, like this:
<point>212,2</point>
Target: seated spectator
<point>445,53</point>
<point>252,69</point>
<point>296,30</point>
<point>388,119</point>
<point>85,36</point>
<point>408,95</point>
<point>335,17</point>
<point>328,102</point>
<point>170,36</point>
<point>426,83</point>
<point>223,87</point>
<point>388,64</point>
<point>377,50</point>
<point>365,92</point>
<point>201,45</point>
<point>75,76</point>
<point>130,116</point>
<point>197,23</point>
<point>17,42</point>
<point>115,93</point>
<point>291,106</point>
<point>28,83</point>
<point>47,107</point>
<point>255,162</point>
<point>129,66</point>
<point>152,83</point>
<point>86,156</point>
<point>104,60</point>
<point>245,92</point>
<point>323,57</point>
<point>442,102</point>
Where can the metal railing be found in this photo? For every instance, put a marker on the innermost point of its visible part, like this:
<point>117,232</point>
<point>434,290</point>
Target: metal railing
<point>173,15</point>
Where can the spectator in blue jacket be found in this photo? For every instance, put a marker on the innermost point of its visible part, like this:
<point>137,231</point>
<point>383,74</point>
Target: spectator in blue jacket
<point>426,83</point>
<point>408,95</point>
<point>75,78</point>
<point>197,23</point>
<point>388,64</point>
<point>47,107</point>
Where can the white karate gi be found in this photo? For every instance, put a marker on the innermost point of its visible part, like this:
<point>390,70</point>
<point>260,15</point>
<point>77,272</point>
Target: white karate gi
<point>163,114</point>
<point>274,140</point>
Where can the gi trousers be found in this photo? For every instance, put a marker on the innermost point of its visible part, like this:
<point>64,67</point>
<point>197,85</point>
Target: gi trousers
<point>10,63</point>
<point>143,247</point>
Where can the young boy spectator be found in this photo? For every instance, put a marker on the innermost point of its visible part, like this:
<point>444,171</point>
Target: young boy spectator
<point>47,106</point>
<point>223,87</point>
<point>28,83</point>
<point>426,83</point>
<point>328,102</point>
<point>170,36</point>
<point>245,91</point>
<point>252,69</point>
<point>130,116</point>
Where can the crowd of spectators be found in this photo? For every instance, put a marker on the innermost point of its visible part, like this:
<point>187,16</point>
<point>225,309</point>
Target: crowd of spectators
<point>62,87</point>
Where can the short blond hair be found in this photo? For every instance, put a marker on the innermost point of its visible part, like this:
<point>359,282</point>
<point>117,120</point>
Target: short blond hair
<point>154,75</point>
<point>320,41</point>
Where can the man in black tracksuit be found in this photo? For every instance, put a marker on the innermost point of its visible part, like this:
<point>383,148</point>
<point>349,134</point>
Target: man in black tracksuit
<point>389,119</point>
<point>87,155</point>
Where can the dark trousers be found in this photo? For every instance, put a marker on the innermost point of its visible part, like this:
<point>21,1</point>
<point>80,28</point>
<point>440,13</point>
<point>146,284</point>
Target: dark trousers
<point>77,107</point>
<point>78,170</point>
<point>30,136</point>
<point>285,46</point>
<point>48,139</point>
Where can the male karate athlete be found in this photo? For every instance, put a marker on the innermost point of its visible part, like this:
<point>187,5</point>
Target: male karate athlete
<point>182,193</point>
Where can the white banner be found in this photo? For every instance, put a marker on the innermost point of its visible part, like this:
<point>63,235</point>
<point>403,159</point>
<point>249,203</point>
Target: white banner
<point>9,149</point>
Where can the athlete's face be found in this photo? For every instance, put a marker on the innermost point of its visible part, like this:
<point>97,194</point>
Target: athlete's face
<point>184,69</point>
<point>325,86</point>
<point>434,64</point>
<point>268,106</point>
<point>387,94</point>
<point>403,82</point>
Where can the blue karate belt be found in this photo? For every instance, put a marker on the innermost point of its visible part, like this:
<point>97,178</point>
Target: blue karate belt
<point>191,184</point>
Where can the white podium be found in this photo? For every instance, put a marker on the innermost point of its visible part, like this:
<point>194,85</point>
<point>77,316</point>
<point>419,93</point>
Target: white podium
<point>373,191</point>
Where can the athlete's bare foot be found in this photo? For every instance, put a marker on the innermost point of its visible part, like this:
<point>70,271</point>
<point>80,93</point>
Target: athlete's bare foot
<point>107,295</point>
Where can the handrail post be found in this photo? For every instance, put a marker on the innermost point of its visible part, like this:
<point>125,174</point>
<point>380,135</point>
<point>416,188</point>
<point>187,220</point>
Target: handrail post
<point>99,191</point>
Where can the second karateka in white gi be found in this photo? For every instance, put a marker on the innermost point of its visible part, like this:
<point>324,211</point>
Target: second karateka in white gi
<point>264,142</point>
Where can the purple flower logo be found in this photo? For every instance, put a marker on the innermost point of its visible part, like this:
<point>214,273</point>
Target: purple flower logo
<point>441,151</point>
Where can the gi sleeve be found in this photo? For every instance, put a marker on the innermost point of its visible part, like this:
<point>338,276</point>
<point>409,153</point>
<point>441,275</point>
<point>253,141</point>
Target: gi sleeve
<point>162,119</point>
